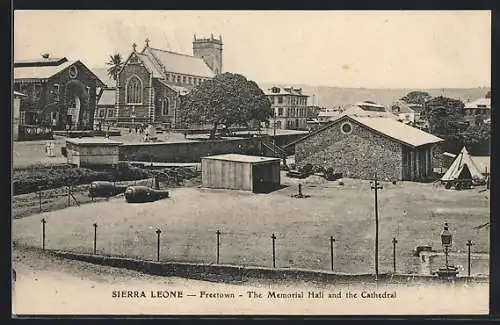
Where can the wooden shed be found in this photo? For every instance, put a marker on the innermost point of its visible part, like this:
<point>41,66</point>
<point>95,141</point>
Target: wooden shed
<point>87,152</point>
<point>241,172</point>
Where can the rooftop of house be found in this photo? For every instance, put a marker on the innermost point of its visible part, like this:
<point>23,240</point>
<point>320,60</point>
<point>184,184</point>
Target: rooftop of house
<point>44,60</point>
<point>388,127</point>
<point>479,103</point>
<point>43,72</point>
<point>241,158</point>
<point>93,142</point>
<point>108,98</point>
<point>284,90</point>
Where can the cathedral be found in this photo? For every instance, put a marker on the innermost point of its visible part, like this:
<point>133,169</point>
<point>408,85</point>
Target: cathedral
<point>152,81</point>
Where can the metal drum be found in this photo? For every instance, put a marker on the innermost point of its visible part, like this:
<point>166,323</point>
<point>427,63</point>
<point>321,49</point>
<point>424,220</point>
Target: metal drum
<point>143,194</point>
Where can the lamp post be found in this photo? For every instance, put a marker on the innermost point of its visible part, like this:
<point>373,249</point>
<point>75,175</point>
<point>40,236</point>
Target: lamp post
<point>446,241</point>
<point>376,186</point>
<point>274,134</point>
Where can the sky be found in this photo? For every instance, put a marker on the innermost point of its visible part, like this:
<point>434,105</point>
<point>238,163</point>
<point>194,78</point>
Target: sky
<point>361,49</point>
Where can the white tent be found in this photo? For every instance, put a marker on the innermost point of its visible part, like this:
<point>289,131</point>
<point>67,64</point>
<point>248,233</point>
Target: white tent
<point>463,168</point>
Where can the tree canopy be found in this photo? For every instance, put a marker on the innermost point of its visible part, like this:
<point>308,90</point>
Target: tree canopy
<point>445,115</point>
<point>115,63</point>
<point>416,97</point>
<point>228,99</point>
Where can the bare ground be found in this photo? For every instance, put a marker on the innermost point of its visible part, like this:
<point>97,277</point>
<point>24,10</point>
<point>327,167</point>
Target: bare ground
<point>49,285</point>
<point>412,212</point>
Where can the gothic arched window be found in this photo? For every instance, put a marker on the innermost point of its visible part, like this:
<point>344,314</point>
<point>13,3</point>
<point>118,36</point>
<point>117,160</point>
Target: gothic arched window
<point>134,90</point>
<point>165,106</point>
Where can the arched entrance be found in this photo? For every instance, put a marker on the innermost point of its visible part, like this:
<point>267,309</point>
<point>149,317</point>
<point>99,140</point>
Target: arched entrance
<point>76,106</point>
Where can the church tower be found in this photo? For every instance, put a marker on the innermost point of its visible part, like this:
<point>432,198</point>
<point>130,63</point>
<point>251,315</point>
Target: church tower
<point>210,50</point>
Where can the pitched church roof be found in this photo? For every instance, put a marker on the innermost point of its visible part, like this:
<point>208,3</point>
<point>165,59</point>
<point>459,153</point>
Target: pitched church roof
<point>177,63</point>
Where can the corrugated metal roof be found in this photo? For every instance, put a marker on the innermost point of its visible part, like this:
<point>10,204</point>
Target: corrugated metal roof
<point>180,63</point>
<point>107,98</point>
<point>241,158</point>
<point>356,110</point>
<point>398,131</point>
<point>480,101</point>
<point>40,72</point>
<point>151,65</point>
<point>179,89</point>
<point>16,93</point>
<point>40,62</point>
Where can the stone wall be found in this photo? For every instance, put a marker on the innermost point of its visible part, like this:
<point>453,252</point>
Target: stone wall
<point>187,151</point>
<point>358,154</point>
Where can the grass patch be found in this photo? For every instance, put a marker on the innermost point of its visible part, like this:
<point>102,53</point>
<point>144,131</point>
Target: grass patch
<point>412,212</point>
<point>41,177</point>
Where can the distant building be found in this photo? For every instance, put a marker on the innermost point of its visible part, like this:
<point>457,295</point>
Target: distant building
<point>478,111</point>
<point>289,107</point>
<point>16,114</point>
<point>153,81</point>
<point>481,106</point>
<point>407,112</point>
<point>59,92</point>
<point>361,146</point>
<point>368,109</point>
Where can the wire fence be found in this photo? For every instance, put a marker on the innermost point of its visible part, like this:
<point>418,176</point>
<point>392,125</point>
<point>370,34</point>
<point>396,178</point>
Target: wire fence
<point>278,250</point>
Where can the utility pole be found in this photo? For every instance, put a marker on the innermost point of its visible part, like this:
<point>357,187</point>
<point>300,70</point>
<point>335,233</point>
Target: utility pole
<point>376,186</point>
<point>274,134</point>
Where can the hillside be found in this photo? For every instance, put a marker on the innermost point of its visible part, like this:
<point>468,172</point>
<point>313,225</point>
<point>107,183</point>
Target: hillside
<point>326,96</point>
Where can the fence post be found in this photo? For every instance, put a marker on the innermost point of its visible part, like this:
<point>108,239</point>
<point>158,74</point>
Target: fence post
<point>43,233</point>
<point>332,240</point>
<point>95,238</point>
<point>69,193</point>
<point>158,232</point>
<point>469,244</point>
<point>218,243</point>
<point>273,237</point>
<point>40,198</point>
<point>394,242</point>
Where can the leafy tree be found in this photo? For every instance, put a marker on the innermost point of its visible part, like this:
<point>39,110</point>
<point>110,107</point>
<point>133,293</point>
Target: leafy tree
<point>228,99</point>
<point>313,111</point>
<point>445,116</point>
<point>416,97</point>
<point>115,63</point>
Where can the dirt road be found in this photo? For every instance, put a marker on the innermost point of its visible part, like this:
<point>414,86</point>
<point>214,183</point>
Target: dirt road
<point>49,285</point>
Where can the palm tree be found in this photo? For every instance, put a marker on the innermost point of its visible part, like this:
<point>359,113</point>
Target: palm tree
<point>115,63</point>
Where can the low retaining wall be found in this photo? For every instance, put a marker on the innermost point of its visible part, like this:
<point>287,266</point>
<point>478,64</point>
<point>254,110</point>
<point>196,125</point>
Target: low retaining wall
<point>181,152</point>
<point>231,273</point>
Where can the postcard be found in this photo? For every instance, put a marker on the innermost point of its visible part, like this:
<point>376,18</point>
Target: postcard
<point>251,162</point>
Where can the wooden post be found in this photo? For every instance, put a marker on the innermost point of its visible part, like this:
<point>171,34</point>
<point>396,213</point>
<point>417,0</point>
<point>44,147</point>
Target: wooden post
<point>218,235</point>
<point>332,241</point>
<point>40,199</point>
<point>376,186</point>
<point>158,232</point>
<point>469,244</point>
<point>273,237</point>
<point>95,238</point>
<point>69,194</point>
<point>394,242</point>
<point>43,233</point>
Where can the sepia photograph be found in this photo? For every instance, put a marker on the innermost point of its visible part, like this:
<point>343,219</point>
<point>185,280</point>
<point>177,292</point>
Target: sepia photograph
<point>250,162</point>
